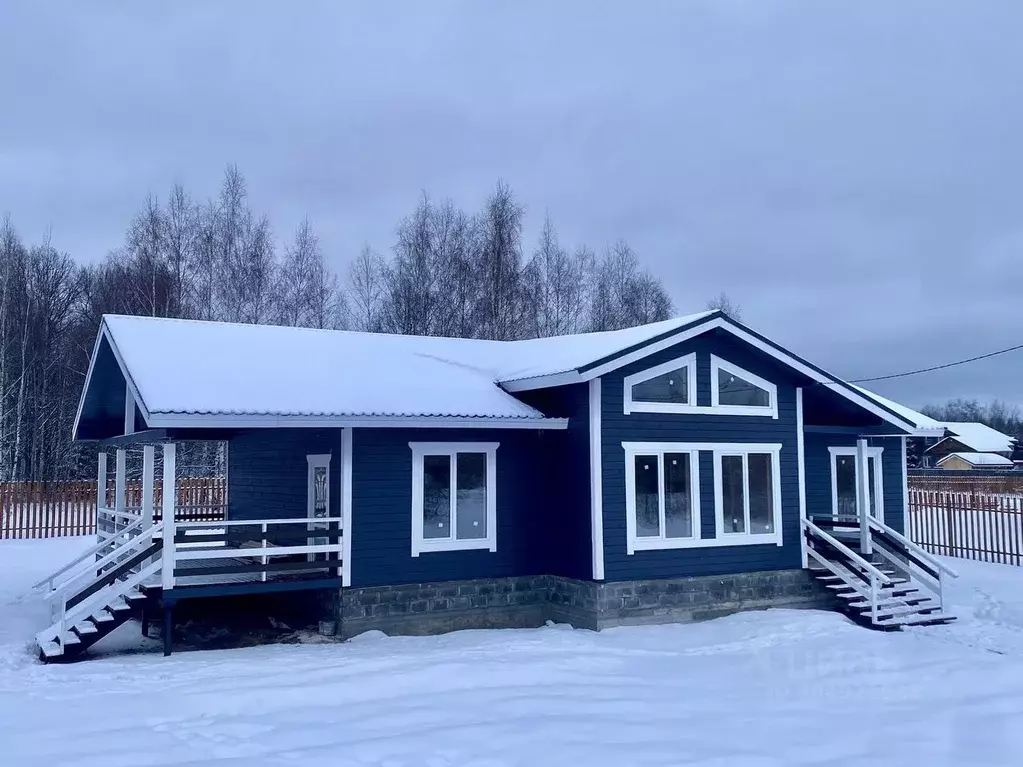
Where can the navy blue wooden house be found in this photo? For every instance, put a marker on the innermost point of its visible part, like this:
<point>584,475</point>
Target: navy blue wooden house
<point>670,472</point>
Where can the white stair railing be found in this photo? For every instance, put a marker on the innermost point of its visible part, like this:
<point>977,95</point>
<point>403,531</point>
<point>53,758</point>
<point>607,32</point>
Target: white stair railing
<point>875,578</point>
<point>72,569</point>
<point>64,615</point>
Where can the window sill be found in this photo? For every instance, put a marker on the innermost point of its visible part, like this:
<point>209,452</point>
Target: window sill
<point>734,539</point>
<point>665,408</point>
<point>429,546</point>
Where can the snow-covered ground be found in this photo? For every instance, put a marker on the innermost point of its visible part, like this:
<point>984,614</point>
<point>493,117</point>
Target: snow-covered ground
<point>759,689</point>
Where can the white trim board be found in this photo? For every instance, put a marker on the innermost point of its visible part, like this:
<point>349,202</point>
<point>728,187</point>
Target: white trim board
<point>346,507</point>
<point>215,421</point>
<point>801,471</point>
<point>596,483</point>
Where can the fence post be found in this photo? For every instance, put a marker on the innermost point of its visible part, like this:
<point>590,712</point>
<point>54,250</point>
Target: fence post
<point>169,501</point>
<point>950,523</point>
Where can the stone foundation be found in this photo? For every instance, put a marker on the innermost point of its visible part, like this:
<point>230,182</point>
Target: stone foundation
<point>530,601</point>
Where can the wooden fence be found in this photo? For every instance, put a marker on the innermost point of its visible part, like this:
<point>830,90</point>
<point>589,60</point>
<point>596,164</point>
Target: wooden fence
<point>970,523</point>
<point>37,510</point>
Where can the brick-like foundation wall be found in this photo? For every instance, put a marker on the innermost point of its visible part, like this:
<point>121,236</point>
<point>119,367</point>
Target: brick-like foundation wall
<point>522,602</point>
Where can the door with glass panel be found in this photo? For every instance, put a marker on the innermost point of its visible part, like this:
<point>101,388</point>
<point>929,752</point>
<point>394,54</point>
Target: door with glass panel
<point>318,500</point>
<point>845,484</point>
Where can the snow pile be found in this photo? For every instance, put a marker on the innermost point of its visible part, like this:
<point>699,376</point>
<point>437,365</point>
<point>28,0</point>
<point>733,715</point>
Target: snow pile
<point>766,689</point>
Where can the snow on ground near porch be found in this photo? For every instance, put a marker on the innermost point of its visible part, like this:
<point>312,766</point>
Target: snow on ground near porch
<point>759,689</point>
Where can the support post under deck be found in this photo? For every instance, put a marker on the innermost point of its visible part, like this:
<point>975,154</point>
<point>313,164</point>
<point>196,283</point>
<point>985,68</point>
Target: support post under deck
<point>168,628</point>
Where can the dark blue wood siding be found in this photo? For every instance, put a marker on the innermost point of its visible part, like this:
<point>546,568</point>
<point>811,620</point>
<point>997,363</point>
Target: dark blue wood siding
<point>617,427</point>
<point>382,508</point>
<point>566,472</point>
<point>267,471</point>
<point>818,474</point>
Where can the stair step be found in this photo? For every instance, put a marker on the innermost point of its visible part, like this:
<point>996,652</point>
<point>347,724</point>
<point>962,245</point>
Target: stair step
<point>134,597</point>
<point>865,603</point>
<point>102,617</point>
<point>84,629</point>
<point>889,615</point>
<point>118,608</point>
<point>933,619</point>
<point>51,650</point>
<point>69,640</point>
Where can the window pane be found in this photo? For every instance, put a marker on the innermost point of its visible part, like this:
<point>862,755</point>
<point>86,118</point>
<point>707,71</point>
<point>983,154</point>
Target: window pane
<point>761,493</point>
<point>671,387</point>
<point>732,494</point>
<point>733,390</point>
<point>845,482</point>
<point>678,512</point>
<point>436,496</point>
<point>648,517</point>
<point>471,501</point>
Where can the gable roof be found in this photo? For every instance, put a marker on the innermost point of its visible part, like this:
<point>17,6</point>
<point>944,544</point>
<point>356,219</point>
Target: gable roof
<point>211,374</point>
<point>979,459</point>
<point>977,437</point>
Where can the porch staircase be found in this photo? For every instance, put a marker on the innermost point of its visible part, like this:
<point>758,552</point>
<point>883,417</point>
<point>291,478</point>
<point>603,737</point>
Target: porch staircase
<point>98,591</point>
<point>887,584</point>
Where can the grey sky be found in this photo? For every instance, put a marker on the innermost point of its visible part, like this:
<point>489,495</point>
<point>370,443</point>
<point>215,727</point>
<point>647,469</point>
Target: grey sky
<point>850,172</point>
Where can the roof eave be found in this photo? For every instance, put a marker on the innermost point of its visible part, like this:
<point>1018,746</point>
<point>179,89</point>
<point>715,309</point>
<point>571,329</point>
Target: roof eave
<point>271,420</point>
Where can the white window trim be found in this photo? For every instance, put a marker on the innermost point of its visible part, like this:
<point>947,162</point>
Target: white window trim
<point>422,545</point>
<point>633,406</point>
<point>872,452</point>
<point>717,364</point>
<point>743,450</point>
<point>636,542</point>
<point>717,449</point>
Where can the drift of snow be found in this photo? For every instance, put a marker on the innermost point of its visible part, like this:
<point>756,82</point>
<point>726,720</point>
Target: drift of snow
<point>758,689</point>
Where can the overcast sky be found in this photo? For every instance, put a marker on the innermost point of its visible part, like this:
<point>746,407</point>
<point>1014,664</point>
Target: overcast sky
<point>850,172</point>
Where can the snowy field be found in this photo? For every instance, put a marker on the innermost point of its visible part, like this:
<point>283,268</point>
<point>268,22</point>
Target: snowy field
<point>760,690</point>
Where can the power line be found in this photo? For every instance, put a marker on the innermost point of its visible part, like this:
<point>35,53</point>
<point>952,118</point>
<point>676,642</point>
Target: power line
<point>938,367</point>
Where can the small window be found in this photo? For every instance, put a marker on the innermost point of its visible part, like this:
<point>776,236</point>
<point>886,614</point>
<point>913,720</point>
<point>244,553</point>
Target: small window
<point>666,388</point>
<point>735,391</point>
<point>747,493</point>
<point>663,497</point>
<point>454,503</point>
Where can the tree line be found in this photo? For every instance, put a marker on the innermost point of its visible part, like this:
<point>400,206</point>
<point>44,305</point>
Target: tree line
<point>996,414</point>
<point>449,272</point>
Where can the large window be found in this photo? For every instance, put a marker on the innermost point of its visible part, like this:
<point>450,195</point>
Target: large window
<point>662,495</point>
<point>845,487</point>
<point>667,388</point>
<point>735,391</point>
<point>747,493</point>
<point>454,504</point>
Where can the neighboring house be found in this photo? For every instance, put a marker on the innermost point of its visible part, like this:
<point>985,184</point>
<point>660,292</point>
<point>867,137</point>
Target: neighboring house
<point>971,438</point>
<point>967,461</point>
<point>673,471</point>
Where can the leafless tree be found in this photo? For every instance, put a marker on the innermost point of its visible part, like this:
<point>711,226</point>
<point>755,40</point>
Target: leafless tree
<point>500,260</point>
<point>723,303</point>
<point>366,290</point>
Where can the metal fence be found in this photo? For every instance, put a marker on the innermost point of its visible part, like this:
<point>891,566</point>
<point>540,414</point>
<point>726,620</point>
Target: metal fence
<point>968,520</point>
<point>51,510</point>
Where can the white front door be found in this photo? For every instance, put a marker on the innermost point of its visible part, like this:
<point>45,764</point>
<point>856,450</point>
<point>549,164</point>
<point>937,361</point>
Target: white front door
<point>318,498</point>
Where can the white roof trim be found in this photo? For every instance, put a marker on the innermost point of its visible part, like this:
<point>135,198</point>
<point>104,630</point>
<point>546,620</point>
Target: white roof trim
<point>837,385</point>
<point>271,420</point>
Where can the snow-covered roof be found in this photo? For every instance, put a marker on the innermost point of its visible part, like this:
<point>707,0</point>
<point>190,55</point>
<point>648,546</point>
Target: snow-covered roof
<point>979,459</point>
<point>179,370</point>
<point>921,421</point>
<point>979,438</point>
<point>194,367</point>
